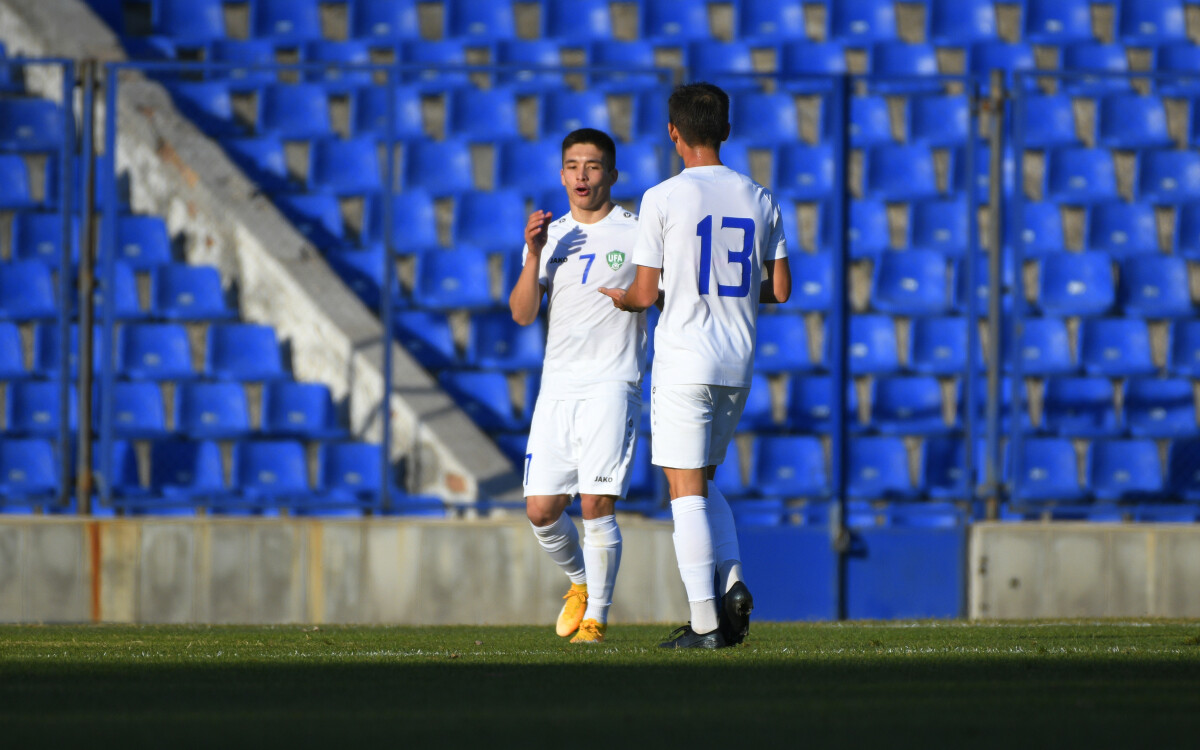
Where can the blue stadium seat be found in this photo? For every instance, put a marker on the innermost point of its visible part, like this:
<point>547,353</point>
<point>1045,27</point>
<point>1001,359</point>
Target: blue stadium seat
<point>138,411</point>
<point>12,353</point>
<point>878,469</point>
<point>482,114</point>
<point>1050,121</point>
<point>945,475</point>
<point>1080,175</point>
<point>47,354</point>
<point>1044,348</point>
<point>143,242</point>
<point>1156,286</point>
<point>243,351</point>
<point>39,236</point>
<point>908,405</point>
<point>1122,229</point>
<point>873,347</point>
<point>370,112</point>
<point>14,183</point>
<point>208,104</point>
<point>28,469</point>
<point>1010,57</point>
<point>317,216</point>
<point>498,343</point>
<point>868,234</point>
<point>533,166</point>
<point>625,65</point>
<point>1183,469</point>
<point>461,279</point>
<point>1130,121</point>
<point>485,398</point>
<point>436,65</point>
<point>154,351</point>
<point>810,403</point>
<point>294,112</point>
<point>385,21</point>
<point>938,345</point>
<point>444,167</point>
<point>1077,284</point>
<point>34,408</point>
<point>759,413</point>
<point>1160,408</point>
<point>212,410</point>
<point>1177,59</point>
<point>343,64</point>
<point>1005,405</point>
<point>899,173</point>
<point>782,344</point>
<point>939,121</point>
<point>1168,176</point>
<point>1094,58</point>
<point>1126,471</point>
<point>641,168</point>
<point>957,23</point>
<point>870,121</point>
<point>1041,229</point>
<point>26,291</point>
<point>126,481</point>
<point>254,54</point>
<point>480,20</point>
<point>263,159</point>
<point>982,172</point>
<point>567,110</point>
<point>1057,21</point>
<point>414,221</point>
<point>590,20</point>
<point>728,476</point>
<point>1150,23</point>
<point>764,119</point>
<point>860,22</point>
<point>1048,471</point>
<point>674,21</point>
<point>804,172</point>
<point>1116,347</point>
<point>347,166</point>
<point>179,291</point>
<point>1080,407</point>
<point>911,282</point>
<point>1187,231</point>
<point>770,21</point>
<point>127,305</point>
<point>807,67</point>
<point>188,21</point>
<point>900,67</point>
<point>352,473</point>
<point>650,114</point>
<point>812,281</point>
<point>187,471</point>
<point>790,466</point>
<point>1183,356</point>
<point>303,411</point>
<point>427,336</point>
<point>942,225</point>
<point>270,471</point>
<point>728,64</point>
<point>362,271</point>
<point>286,20</point>
<point>489,219</point>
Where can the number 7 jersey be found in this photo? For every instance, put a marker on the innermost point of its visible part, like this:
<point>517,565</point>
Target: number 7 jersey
<point>709,229</point>
<point>590,345</point>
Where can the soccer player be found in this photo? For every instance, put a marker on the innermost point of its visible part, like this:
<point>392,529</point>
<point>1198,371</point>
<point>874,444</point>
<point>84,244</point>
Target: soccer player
<point>715,238</point>
<point>584,427</point>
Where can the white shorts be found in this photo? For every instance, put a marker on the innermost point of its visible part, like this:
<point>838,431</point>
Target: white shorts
<point>582,445</point>
<point>691,425</point>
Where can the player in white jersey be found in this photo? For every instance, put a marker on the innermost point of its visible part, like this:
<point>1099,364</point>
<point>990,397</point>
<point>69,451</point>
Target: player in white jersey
<point>584,427</point>
<point>716,239</point>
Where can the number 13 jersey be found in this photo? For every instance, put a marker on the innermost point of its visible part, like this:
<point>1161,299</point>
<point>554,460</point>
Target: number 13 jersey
<point>591,347</point>
<point>709,229</point>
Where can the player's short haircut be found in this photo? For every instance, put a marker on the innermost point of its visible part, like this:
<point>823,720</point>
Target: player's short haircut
<point>700,112</point>
<point>597,138</point>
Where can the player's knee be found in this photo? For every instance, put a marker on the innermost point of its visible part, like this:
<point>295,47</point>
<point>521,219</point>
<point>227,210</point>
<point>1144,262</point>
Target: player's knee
<point>544,511</point>
<point>597,506</point>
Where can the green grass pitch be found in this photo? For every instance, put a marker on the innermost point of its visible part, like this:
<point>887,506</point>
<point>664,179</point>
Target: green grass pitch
<point>931,685</point>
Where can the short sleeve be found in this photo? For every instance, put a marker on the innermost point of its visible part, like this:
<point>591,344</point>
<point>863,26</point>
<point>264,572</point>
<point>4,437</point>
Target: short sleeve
<point>648,248</point>
<point>776,243</point>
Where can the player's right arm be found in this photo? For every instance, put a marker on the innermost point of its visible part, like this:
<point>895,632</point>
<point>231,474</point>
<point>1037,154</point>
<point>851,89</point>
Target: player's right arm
<point>526,297</point>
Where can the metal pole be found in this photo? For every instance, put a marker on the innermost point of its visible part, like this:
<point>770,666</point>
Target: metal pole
<point>971,271</point>
<point>107,372</point>
<point>995,285</point>
<point>385,297</point>
<point>87,285</point>
<point>839,369</point>
<point>65,197</point>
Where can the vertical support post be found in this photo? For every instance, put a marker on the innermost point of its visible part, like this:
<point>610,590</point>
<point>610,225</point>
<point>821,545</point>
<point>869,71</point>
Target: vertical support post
<point>385,296</point>
<point>971,271</point>
<point>108,243</point>
<point>995,292</point>
<point>87,285</point>
<point>839,369</point>
<point>66,167</point>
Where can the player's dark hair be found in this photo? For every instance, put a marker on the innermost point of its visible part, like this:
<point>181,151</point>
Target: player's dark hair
<point>597,138</point>
<point>700,112</point>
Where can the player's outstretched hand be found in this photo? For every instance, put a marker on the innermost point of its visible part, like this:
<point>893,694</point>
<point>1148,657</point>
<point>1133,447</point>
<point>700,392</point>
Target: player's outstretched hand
<point>536,230</point>
<point>617,296</point>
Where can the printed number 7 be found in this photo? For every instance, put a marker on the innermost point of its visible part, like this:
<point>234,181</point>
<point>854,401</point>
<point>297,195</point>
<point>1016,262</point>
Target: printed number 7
<point>589,258</point>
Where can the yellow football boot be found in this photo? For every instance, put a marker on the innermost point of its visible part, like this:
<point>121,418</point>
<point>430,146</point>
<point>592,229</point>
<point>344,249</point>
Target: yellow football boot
<point>572,611</point>
<point>590,631</point>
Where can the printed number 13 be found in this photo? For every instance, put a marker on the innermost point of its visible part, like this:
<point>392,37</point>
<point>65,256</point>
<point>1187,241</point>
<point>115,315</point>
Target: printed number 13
<point>741,257</point>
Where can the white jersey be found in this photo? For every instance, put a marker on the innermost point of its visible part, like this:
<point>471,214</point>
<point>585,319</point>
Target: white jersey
<point>591,346</point>
<point>709,229</point>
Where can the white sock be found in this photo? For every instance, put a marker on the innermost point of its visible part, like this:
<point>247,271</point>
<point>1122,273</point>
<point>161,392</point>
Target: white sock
<point>561,541</point>
<point>694,553</point>
<point>724,535</point>
<point>601,558</point>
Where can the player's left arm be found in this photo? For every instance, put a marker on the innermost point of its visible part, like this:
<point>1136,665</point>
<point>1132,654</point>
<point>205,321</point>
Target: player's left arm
<point>777,281</point>
<point>642,293</point>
